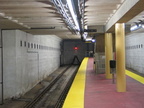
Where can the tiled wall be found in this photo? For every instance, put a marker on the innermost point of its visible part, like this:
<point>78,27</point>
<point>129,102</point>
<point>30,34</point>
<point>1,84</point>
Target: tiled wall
<point>135,52</point>
<point>27,60</point>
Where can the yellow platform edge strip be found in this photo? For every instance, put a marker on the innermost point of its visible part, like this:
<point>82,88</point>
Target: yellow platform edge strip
<point>75,97</point>
<point>135,76</point>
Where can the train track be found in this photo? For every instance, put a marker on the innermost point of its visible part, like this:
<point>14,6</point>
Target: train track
<point>65,91</point>
<point>53,95</point>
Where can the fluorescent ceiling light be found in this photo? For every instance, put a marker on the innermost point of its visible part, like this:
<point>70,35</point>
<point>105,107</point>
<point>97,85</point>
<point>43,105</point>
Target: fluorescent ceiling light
<point>21,23</point>
<point>135,27</point>
<point>93,40</point>
<point>2,14</point>
<point>88,39</point>
<point>69,2</point>
<point>15,21</point>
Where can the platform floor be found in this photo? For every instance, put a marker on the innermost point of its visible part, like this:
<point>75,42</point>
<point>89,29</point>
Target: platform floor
<point>100,92</point>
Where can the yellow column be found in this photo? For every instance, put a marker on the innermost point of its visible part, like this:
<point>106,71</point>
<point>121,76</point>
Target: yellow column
<point>108,54</point>
<point>120,57</point>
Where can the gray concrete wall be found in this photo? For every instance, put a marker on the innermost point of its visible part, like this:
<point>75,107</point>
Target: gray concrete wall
<point>0,70</point>
<point>69,52</point>
<point>27,60</point>
<point>135,52</point>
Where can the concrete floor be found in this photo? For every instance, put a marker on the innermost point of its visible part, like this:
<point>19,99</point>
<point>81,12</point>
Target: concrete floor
<point>101,92</point>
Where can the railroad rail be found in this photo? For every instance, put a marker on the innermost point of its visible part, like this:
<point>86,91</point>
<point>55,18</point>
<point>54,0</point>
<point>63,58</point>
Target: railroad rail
<point>53,95</point>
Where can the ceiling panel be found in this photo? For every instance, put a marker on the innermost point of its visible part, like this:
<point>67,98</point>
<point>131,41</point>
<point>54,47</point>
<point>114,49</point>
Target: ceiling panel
<point>42,17</point>
<point>98,11</point>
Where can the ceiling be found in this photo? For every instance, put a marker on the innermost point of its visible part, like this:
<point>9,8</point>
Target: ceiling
<point>42,17</point>
<point>98,12</point>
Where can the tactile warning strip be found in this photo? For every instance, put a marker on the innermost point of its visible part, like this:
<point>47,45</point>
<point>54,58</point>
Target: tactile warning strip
<point>75,97</point>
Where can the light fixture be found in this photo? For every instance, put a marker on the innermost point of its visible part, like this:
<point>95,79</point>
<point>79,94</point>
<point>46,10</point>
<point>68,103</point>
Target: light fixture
<point>10,18</point>
<point>2,14</point>
<point>74,16</point>
<point>134,27</point>
<point>72,12</point>
<point>93,40</point>
<point>62,8</point>
<point>88,39</point>
<point>21,23</point>
<point>137,25</point>
<point>13,20</point>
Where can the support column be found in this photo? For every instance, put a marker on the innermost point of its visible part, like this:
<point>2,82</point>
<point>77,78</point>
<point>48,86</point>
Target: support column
<point>120,57</point>
<point>108,54</point>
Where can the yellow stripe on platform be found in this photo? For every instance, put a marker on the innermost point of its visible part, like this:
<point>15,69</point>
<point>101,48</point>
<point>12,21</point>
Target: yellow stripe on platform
<point>135,76</point>
<point>75,97</point>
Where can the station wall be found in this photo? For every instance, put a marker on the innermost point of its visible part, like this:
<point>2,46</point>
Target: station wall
<point>27,59</point>
<point>69,53</point>
<point>0,70</point>
<point>135,52</point>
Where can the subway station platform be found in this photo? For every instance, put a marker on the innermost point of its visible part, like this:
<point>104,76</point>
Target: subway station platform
<point>91,90</point>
